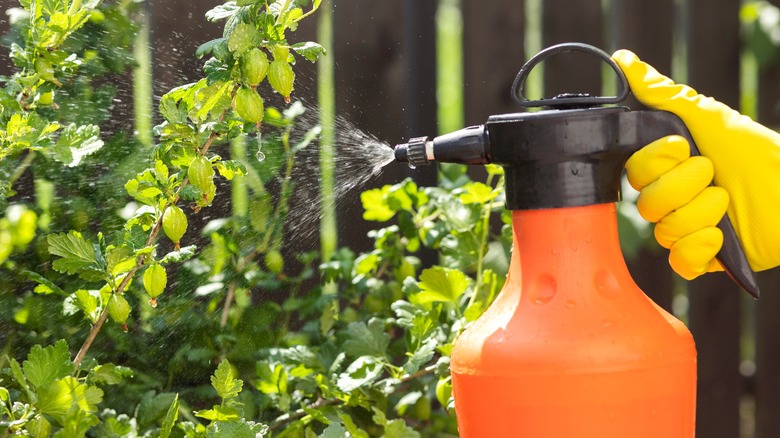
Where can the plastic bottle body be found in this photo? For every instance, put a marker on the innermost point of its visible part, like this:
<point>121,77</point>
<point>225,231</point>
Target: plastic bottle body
<point>571,347</point>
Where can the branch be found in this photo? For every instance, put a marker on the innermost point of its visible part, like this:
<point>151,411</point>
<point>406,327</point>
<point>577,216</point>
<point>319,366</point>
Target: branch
<point>321,403</point>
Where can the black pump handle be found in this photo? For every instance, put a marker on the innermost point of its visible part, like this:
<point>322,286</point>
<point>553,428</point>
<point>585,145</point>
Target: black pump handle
<point>569,100</point>
<point>652,125</point>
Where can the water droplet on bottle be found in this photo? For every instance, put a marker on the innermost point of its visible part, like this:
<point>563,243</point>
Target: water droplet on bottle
<point>260,156</point>
<point>570,304</point>
<point>544,289</point>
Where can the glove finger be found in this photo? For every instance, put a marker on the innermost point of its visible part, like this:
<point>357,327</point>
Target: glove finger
<point>649,163</point>
<point>705,210</point>
<point>694,254</point>
<point>675,188</point>
<point>652,88</point>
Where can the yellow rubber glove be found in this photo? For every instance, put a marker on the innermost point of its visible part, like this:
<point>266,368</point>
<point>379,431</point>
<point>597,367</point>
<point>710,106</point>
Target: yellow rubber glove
<point>741,155</point>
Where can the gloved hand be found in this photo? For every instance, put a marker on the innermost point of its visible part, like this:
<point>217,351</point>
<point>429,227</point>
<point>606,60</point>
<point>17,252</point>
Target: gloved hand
<point>742,156</point>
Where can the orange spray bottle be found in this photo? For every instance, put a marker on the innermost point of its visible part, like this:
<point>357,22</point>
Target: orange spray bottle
<point>571,347</point>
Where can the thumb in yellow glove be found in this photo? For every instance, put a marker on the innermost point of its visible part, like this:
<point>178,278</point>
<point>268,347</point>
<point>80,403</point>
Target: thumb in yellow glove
<point>742,157</point>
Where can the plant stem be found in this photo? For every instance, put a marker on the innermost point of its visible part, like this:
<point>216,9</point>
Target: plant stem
<point>142,82</point>
<point>327,101</point>
<point>139,262</point>
<point>321,403</point>
<point>119,290</point>
<point>228,300</point>
<point>26,162</point>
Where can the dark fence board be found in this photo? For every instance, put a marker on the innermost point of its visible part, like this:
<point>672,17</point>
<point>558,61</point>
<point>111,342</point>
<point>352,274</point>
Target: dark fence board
<point>567,21</point>
<point>492,58</point>
<point>767,378</point>
<point>713,47</point>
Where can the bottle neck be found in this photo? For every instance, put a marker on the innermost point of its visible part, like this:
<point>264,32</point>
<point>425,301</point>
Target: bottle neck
<point>567,245</point>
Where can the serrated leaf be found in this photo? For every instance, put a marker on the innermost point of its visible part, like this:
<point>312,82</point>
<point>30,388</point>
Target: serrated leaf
<point>230,168</point>
<point>45,365</point>
<point>170,418</point>
<point>210,47</point>
<point>398,429</point>
<point>170,110</point>
<point>363,371</point>
<point>236,429</point>
<point>88,303</point>
<point>374,207</point>
<point>78,256</point>
<point>335,430</point>
<point>47,286</point>
<point>421,356</point>
<point>219,413</point>
<point>183,254</point>
<point>213,97</point>
<point>272,379</point>
<point>309,50</point>
<point>110,374</point>
<point>366,340</point>
<point>352,428</point>
<point>222,11</point>
<point>478,193</point>
<point>76,142</point>
<point>58,398</point>
<point>224,381</point>
<point>440,284</point>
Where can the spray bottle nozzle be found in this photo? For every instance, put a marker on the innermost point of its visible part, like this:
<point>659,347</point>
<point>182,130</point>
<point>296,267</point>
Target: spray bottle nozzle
<point>465,146</point>
<point>414,151</point>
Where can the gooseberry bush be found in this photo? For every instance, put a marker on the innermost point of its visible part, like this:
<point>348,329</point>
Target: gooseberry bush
<point>127,312</point>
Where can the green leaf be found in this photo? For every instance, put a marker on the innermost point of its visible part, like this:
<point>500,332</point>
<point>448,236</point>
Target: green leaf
<point>57,398</point>
<point>398,429</point>
<point>78,256</point>
<point>478,193</point>
<point>219,413</point>
<point>230,168</point>
<point>183,254</point>
<point>224,381</point>
<point>222,11</point>
<point>88,303</point>
<point>335,430</point>
<point>236,429</point>
<point>440,284</point>
<point>110,374</point>
<point>170,418</point>
<point>76,142</point>
<point>421,356</point>
<point>214,97</point>
<point>375,209</point>
<point>363,371</point>
<point>47,285</point>
<point>309,50</point>
<point>215,45</point>
<point>45,365</point>
<point>271,379</point>
<point>366,340</point>
<point>352,428</point>
<point>119,260</point>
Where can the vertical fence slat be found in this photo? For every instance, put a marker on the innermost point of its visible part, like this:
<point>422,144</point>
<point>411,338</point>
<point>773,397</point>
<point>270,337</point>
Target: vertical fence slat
<point>713,47</point>
<point>568,21</point>
<point>492,58</point>
<point>767,377</point>
<point>633,21</point>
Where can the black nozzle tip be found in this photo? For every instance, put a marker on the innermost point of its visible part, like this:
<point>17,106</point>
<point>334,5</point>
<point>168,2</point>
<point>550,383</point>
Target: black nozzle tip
<point>413,152</point>
<point>402,153</point>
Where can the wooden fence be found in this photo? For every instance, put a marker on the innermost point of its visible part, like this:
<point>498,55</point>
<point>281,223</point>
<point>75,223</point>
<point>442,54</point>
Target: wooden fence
<point>386,86</point>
